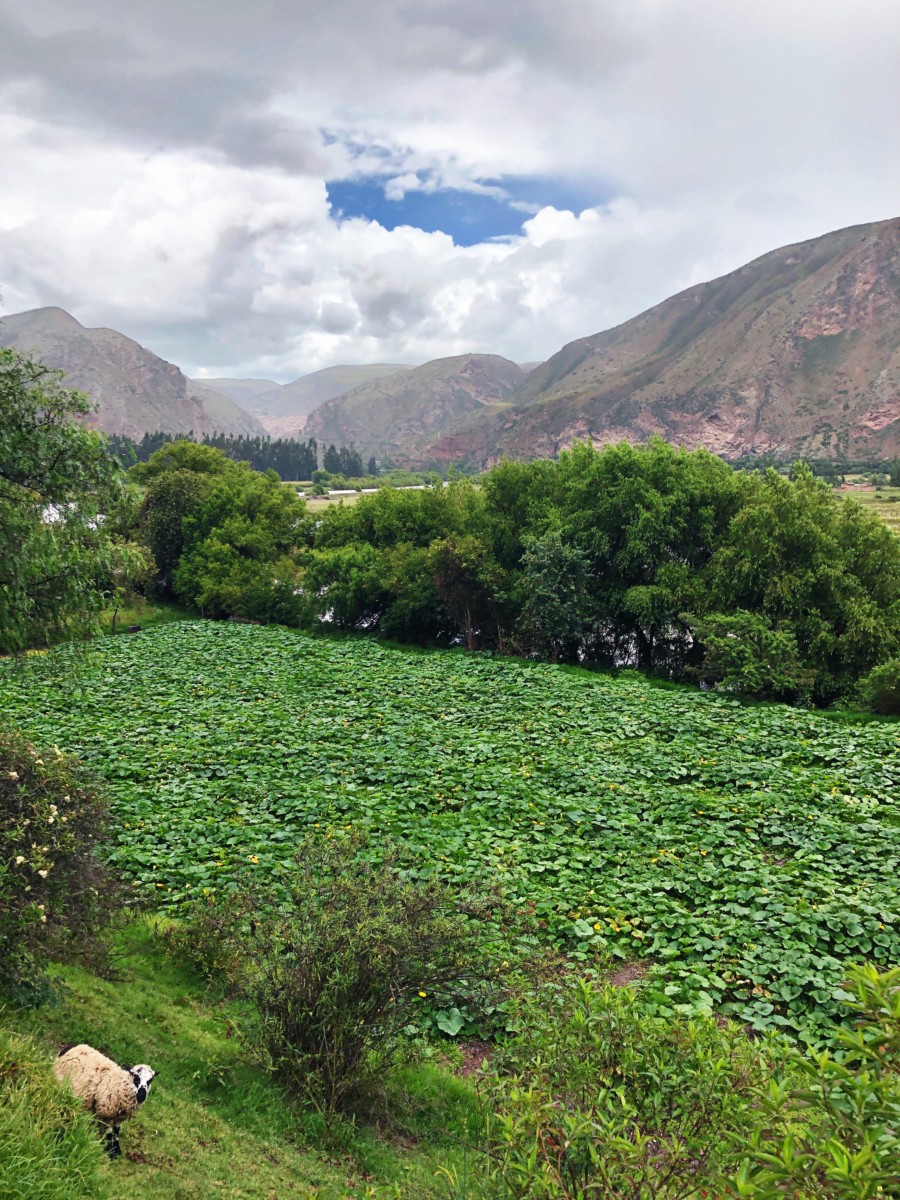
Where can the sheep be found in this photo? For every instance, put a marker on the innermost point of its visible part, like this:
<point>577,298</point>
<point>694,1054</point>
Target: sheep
<point>111,1092</point>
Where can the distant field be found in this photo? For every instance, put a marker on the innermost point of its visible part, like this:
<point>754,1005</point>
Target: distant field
<point>747,853</point>
<point>885,502</point>
<point>318,503</point>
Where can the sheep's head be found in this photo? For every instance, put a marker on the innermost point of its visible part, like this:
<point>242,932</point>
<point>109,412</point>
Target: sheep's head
<point>143,1076</point>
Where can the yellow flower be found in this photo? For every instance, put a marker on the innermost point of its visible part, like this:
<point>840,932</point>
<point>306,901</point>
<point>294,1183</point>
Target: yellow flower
<point>253,858</point>
<point>423,994</point>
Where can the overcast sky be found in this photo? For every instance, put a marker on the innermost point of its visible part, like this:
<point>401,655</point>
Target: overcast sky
<point>272,187</point>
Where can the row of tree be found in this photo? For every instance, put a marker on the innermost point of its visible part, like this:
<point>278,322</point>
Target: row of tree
<point>663,559</point>
<point>649,556</point>
<point>287,457</point>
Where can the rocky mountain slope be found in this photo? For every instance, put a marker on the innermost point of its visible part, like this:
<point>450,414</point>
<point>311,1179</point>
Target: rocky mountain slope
<point>412,407</point>
<point>245,392</point>
<point>284,410</point>
<point>135,391</point>
<point>796,353</point>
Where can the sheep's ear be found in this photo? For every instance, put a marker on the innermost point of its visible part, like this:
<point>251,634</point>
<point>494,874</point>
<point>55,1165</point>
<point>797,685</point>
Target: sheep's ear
<point>128,1069</point>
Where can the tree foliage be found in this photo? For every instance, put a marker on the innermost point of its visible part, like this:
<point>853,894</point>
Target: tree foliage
<point>647,556</point>
<point>60,562</point>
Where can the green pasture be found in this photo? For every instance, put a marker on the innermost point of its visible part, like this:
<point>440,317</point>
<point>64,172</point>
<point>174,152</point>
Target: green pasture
<point>885,501</point>
<point>747,853</point>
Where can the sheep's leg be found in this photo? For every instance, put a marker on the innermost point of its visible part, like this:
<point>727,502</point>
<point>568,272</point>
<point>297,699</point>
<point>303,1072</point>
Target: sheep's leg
<point>113,1149</point>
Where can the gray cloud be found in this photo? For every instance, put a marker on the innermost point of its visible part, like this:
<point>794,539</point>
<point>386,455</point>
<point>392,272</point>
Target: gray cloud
<point>165,163</point>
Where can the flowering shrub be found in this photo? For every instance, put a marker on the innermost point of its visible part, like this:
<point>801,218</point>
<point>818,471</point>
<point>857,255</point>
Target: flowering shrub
<point>55,894</point>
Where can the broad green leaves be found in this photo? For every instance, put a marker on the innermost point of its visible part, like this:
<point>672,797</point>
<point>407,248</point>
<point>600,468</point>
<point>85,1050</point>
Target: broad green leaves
<point>748,853</point>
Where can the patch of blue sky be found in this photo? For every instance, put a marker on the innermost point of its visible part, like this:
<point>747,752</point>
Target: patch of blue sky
<point>499,210</point>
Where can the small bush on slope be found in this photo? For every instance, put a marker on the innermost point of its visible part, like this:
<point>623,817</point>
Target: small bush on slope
<point>56,897</point>
<point>339,965</point>
<point>594,1098</point>
<point>49,1149</point>
<point>880,689</point>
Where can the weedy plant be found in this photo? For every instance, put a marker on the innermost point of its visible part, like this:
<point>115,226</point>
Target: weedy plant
<point>834,1129</point>
<point>594,1098</point>
<point>338,966</point>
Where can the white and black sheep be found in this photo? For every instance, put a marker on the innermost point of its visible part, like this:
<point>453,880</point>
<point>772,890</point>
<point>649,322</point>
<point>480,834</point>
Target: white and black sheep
<point>111,1092</point>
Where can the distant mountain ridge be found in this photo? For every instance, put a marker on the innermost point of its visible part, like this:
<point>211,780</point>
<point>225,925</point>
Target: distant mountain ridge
<point>136,392</point>
<point>406,410</point>
<point>283,411</point>
<point>796,353</point>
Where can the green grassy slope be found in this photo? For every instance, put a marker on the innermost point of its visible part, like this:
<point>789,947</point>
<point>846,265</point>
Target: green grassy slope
<point>215,1125</point>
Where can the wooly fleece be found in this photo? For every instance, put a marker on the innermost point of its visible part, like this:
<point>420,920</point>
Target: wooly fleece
<point>108,1090</point>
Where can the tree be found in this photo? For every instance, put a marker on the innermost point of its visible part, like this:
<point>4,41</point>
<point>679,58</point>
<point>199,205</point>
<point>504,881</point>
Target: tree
<point>59,564</point>
<point>555,616</point>
<point>372,466</point>
<point>331,460</point>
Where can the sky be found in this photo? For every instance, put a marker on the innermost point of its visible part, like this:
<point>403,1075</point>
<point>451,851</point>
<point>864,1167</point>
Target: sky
<point>265,189</point>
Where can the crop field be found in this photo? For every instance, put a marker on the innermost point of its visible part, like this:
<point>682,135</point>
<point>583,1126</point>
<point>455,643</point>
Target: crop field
<point>745,853</point>
<point>885,502</point>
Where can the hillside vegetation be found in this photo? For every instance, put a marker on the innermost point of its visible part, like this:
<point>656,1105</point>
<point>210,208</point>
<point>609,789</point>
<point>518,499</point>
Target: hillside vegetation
<point>751,853</point>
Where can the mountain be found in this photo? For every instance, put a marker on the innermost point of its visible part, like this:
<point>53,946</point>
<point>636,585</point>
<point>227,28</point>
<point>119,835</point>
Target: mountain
<point>410,408</point>
<point>135,391</point>
<point>284,410</point>
<point>244,392</point>
<point>797,353</point>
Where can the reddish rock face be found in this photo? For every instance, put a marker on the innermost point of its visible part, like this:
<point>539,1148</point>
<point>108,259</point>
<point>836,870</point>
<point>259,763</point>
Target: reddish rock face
<point>796,353</point>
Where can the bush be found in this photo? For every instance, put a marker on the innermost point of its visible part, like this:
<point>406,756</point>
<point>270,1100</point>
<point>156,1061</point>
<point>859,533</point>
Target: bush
<point>595,1098</point>
<point>49,1149</point>
<point>56,897</point>
<point>340,965</point>
<point>847,1144</point>
<point>880,689</point>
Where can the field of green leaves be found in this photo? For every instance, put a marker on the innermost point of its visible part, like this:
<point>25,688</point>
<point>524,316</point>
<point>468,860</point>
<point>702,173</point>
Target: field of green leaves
<point>745,853</point>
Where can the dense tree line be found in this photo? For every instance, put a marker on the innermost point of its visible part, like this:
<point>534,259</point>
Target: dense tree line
<point>287,457</point>
<point>663,559</point>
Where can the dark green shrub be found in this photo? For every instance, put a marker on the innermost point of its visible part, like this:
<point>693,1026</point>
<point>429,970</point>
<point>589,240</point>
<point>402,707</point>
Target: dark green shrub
<point>49,1149</point>
<point>340,965</point>
<point>593,1098</point>
<point>56,897</point>
<point>880,689</point>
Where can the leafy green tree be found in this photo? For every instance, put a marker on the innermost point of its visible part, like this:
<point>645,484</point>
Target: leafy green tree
<point>556,618</point>
<point>331,460</point>
<point>647,519</point>
<point>824,568</point>
<point>59,564</point>
<point>467,581</point>
<point>224,536</point>
<point>880,689</point>
<point>372,467</point>
<point>894,472</point>
<point>742,653</point>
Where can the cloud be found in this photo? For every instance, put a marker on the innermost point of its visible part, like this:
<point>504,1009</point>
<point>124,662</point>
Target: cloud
<point>166,164</point>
